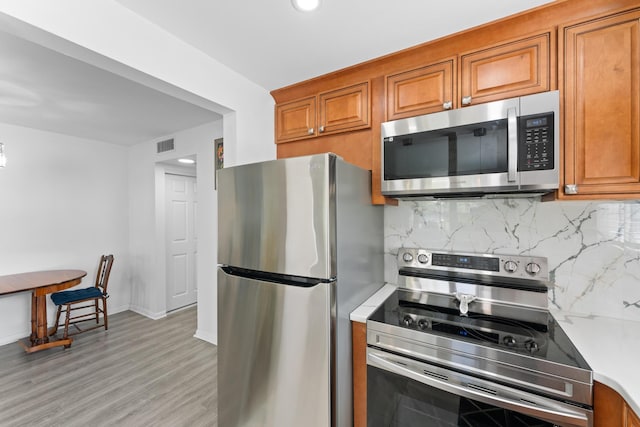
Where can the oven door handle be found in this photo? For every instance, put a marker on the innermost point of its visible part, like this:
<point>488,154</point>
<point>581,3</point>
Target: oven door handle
<point>485,391</point>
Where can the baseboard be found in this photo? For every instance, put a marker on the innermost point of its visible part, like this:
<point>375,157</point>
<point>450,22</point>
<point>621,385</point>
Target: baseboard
<point>206,336</point>
<point>146,313</point>
<point>8,339</point>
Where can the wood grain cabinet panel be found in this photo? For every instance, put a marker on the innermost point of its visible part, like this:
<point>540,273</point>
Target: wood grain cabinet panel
<point>518,68</point>
<point>422,91</point>
<point>600,77</point>
<point>359,352</point>
<point>344,109</point>
<point>296,120</point>
<point>632,419</point>
<point>339,110</point>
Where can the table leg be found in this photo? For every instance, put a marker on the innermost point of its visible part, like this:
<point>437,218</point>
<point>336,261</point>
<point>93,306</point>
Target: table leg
<point>33,317</point>
<point>39,339</point>
<point>42,336</point>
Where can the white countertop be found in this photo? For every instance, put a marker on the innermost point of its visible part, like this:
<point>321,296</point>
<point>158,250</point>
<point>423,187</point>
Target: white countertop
<point>610,346</point>
<point>366,309</point>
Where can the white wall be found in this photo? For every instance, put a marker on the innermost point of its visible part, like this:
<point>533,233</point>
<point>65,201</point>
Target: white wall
<point>62,204</point>
<point>147,241</point>
<point>110,36</point>
<point>106,34</point>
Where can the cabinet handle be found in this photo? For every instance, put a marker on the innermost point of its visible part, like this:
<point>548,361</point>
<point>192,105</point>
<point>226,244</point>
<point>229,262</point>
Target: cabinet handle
<point>571,189</point>
<point>466,100</point>
<point>447,105</point>
<point>310,131</point>
<point>321,129</point>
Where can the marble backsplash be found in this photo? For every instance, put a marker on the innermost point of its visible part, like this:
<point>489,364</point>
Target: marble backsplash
<point>593,248</point>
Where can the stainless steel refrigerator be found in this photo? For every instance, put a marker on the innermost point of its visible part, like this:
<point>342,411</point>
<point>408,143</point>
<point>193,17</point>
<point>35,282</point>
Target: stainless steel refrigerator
<point>299,247</point>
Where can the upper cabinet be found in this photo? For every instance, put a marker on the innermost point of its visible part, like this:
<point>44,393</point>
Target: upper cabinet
<point>295,120</point>
<point>339,110</point>
<point>421,91</point>
<point>502,71</point>
<point>499,71</point>
<point>599,79</point>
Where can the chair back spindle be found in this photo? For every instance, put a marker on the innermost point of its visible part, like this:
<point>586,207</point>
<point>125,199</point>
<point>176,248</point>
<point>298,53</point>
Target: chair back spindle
<point>104,270</point>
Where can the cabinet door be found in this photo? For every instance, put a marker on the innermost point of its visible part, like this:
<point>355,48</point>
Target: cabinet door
<point>344,109</point>
<point>513,69</point>
<point>296,120</point>
<point>632,418</point>
<point>421,91</point>
<point>600,81</point>
<point>359,354</point>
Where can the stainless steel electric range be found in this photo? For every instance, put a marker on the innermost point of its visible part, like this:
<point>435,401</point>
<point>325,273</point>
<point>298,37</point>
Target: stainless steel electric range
<point>467,340</point>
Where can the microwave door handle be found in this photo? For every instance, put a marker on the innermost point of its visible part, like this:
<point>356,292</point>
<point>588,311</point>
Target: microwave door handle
<point>512,145</point>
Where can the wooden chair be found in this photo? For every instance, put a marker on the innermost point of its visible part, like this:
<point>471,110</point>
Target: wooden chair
<point>95,294</point>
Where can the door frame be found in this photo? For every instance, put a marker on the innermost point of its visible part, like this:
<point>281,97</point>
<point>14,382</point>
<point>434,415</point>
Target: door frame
<point>161,169</point>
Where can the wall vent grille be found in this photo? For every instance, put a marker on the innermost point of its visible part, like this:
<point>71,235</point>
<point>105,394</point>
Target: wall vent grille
<point>166,145</point>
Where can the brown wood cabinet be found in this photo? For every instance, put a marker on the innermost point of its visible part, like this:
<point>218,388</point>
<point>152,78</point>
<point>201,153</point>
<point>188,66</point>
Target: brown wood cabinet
<point>296,120</point>
<point>359,352</point>
<point>424,90</point>
<point>517,68</point>
<point>499,71</point>
<point>632,420</point>
<point>610,409</point>
<point>599,80</point>
<point>340,110</point>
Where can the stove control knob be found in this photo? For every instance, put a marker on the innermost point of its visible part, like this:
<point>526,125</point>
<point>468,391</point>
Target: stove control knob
<point>407,321</point>
<point>531,346</point>
<point>509,341</point>
<point>423,258</point>
<point>423,324</point>
<point>407,257</point>
<point>533,268</point>
<point>510,266</point>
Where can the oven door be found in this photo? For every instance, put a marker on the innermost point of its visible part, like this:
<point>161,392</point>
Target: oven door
<point>403,392</point>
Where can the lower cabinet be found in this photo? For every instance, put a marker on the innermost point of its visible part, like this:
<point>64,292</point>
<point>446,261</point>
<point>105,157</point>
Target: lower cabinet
<point>359,351</point>
<point>610,409</point>
<point>631,418</point>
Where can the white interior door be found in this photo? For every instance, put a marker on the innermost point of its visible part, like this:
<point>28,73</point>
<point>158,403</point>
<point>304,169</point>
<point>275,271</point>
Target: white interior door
<point>181,214</point>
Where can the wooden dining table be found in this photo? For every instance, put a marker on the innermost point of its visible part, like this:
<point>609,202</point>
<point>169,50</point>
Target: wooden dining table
<point>41,283</point>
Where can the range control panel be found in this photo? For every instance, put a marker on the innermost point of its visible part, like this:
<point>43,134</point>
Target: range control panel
<point>535,142</point>
<point>511,266</point>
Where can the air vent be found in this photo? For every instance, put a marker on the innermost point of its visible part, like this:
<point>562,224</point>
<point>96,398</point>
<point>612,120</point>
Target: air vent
<point>484,389</point>
<point>436,375</point>
<point>166,145</point>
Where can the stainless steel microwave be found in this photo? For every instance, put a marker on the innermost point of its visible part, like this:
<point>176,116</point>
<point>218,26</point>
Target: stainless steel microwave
<point>500,148</point>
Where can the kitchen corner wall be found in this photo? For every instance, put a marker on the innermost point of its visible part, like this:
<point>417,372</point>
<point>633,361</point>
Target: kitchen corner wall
<point>593,248</point>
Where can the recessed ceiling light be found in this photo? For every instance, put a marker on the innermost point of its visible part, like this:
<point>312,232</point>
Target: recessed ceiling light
<point>188,161</point>
<point>305,5</point>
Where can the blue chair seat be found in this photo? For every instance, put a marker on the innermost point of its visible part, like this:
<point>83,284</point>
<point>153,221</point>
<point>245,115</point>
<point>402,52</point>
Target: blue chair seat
<point>65,297</point>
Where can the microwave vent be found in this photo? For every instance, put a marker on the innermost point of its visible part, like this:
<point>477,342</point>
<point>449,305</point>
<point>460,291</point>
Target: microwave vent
<point>166,145</point>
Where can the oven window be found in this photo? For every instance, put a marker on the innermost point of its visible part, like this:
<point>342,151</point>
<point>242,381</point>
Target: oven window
<point>396,401</point>
<point>464,150</point>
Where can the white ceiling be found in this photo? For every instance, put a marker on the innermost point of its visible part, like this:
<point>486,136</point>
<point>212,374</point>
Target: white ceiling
<point>267,41</point>
<point>274,45</point>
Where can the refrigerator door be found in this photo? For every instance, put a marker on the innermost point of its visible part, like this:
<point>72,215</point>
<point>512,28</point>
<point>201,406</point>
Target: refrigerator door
<point>279,216</point>
<point>273,342</point>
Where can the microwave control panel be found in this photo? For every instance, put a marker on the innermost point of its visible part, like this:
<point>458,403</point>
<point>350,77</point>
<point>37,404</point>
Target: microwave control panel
<point>535,142</point>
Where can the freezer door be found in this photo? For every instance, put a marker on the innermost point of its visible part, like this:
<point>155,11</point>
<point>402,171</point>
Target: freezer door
<point>279,216</point>
<point>273,353</point>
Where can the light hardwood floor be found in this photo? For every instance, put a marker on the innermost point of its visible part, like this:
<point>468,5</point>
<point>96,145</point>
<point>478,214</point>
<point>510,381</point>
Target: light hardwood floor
<point>140,372</point>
